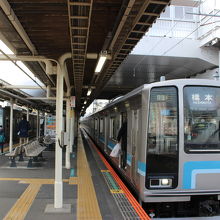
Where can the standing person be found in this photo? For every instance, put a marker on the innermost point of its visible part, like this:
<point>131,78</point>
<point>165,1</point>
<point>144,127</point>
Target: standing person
<point>23,128</point>
<point>122,138</point>
<point>2,139</point>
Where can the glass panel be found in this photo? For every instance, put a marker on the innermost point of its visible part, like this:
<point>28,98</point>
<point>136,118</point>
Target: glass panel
<point>201,119</point>
<point>179,12</point>
<point>101,126</point>
<point>166,14</point>
<point>1,117</point>
<point>162,137</point>
<point>188,10</point>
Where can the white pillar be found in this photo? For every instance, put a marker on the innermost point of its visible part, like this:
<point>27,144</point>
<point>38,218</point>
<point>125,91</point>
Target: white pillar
<point>68,133</point>
<point>37,123</point>
<point>58,185</point>
<point>28,121</point>
<point>71,130</point>
<point>48,91</point>
<point>11,127</point>
<point>27,114</point>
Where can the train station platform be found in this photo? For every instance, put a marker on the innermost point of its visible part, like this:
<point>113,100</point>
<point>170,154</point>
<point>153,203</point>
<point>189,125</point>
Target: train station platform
<point>91,187</point>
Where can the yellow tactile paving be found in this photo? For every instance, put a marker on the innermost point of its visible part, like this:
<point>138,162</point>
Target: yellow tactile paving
<point>87,204</point>
<point>116,191</point>
<point>73,180</point>
<point>21,207</point>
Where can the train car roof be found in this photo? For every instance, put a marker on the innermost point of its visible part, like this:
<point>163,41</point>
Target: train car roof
<point>175,82</point>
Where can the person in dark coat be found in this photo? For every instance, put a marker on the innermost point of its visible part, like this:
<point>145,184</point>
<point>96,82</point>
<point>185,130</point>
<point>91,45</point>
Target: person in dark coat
<point>23,128</point>
<point>2,139</point>
<point>122,138</point>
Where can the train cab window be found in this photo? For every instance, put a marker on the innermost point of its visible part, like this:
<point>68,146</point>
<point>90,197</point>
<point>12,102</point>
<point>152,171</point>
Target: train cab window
<point>201,119</point>
<point>162,137</point>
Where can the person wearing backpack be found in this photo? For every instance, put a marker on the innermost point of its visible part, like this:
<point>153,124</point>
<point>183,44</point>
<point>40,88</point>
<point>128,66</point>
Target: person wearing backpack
<point>2,139</point>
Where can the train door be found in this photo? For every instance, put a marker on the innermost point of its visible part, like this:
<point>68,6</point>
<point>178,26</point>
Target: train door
<point>134,142</point>
<point>123,155</point>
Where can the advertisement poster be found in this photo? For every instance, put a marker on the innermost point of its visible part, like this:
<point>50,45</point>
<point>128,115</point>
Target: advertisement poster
<point>50,125</point>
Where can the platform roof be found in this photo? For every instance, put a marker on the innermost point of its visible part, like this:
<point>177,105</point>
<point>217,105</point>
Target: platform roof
<point>82,27</point>
<point>137,70</point>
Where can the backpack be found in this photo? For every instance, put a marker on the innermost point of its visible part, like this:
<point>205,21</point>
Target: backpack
<point>2,138</point>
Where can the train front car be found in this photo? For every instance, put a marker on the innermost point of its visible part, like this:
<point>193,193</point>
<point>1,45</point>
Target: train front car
<point>182,146</point>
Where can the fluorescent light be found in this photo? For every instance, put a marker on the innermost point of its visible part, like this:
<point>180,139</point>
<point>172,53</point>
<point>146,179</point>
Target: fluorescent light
<point>89,92</point>
<point>100,63</point>
<point>85,102</point>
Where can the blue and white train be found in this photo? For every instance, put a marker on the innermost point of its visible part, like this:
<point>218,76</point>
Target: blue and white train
<point>173,143</point>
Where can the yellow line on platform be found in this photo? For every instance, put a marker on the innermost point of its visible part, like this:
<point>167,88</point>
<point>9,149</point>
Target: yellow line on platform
<point>31,180</point>
<point>73,180</point>
<point>21,207</point>
<point>87,204</point>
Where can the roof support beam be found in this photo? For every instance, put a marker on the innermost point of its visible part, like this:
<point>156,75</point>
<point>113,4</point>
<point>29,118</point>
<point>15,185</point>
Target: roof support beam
<point>151,14</point>
<point>79,17</point>
<point>80,3</point>
<point>23,87</point>
<point>158,2</point>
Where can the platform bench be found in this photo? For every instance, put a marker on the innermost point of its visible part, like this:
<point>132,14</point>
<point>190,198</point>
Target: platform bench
<point>33,150</point>
<point>12,155</point>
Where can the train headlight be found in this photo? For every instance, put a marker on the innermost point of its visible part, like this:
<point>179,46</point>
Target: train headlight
<point>161,182</point>
<point>165,182</point>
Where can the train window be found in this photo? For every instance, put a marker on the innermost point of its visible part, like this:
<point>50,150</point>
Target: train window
<point>201,119</point>
<point>1,117</point>
<point>162,136</point>
<point>96,124</point>
<point>123,117</point>
<point>101,126</point>
<point>112,129</point>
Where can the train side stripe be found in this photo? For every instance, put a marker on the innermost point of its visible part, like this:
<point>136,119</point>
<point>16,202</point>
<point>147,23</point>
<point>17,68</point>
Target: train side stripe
<point>192,168</point>
<point>111,145</point>
<point>142,168</point>
<point>129,159</point>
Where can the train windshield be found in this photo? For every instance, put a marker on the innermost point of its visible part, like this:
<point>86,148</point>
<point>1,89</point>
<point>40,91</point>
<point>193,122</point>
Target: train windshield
<point>201,119</point>
<point>162,136</point>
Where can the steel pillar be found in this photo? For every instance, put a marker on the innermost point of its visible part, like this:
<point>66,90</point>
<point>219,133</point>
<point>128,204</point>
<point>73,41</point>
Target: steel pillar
<point>37,124</point>
<point>11,127</point>
<point>71,130</point>
<point>68,133</point>
<point>58,185</point>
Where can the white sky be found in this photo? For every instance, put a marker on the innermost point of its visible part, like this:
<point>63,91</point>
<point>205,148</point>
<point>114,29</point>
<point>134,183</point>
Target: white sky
<point>14,76</point>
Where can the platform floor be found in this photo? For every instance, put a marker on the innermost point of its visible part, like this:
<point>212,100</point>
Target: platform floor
<point>88,187</point>
<point>91,188</point>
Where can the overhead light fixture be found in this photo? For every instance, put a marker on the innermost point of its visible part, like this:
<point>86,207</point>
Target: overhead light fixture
<point>89,92</point>
<point>102,58</point>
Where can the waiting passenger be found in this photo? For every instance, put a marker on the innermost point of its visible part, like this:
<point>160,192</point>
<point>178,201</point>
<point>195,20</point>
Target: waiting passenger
<point>122,138</point>
<point>2,139</point>
<point>23,128</point>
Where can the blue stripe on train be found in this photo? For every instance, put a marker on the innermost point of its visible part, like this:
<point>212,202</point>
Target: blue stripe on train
<point>192,168</point>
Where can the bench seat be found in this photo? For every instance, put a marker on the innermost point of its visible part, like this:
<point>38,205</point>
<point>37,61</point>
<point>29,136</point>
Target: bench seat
<point>33,150</point>
<point>12,156</point>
